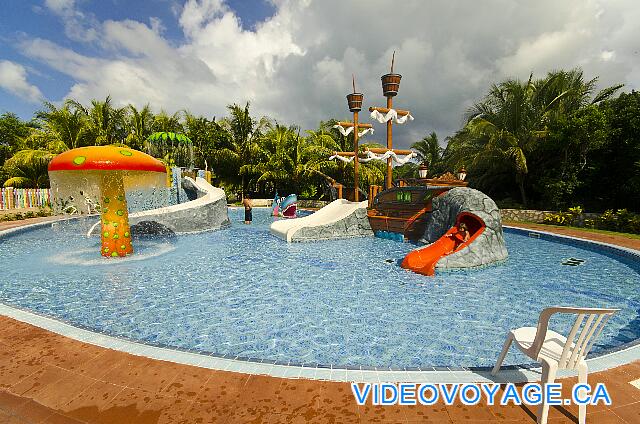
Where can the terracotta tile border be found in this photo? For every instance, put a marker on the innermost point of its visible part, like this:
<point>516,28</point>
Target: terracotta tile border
<point>93,384</point>
<point>101,385</point>
<point>515,374</point>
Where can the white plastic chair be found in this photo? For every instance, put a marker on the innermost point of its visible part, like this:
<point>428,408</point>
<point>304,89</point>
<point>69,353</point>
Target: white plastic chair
<point>556,351</point>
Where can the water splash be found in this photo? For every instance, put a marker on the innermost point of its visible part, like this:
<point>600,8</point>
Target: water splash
<point>87,257</point>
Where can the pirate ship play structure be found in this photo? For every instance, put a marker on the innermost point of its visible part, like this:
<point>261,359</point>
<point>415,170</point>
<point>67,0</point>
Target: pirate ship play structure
<point>428,209</point>
<point>400,211</point>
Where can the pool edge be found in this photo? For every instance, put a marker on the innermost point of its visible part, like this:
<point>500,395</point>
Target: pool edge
<point>511,374</point>
<point>515,374</point>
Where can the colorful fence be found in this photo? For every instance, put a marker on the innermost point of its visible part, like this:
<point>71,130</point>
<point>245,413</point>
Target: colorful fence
<point>15,198</point>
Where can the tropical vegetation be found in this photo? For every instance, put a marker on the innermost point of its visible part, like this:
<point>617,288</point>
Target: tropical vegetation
<point>620,220</point>
<point>245,154</point>
<point>551,143</point>
<point>546,142</point>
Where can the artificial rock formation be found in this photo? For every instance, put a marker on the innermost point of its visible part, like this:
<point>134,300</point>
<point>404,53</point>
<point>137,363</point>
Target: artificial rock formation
<point>207,212</point>
<point>356,224</point>
<point>488,248</point>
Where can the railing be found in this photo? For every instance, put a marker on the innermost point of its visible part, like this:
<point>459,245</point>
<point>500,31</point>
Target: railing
<point>207,175</point>
<point>373,192</point>
<point>338,188</point>
<point>20,198</point>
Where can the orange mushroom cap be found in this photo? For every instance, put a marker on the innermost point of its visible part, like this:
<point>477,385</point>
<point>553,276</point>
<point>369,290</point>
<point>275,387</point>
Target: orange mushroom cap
<point>105,158</point>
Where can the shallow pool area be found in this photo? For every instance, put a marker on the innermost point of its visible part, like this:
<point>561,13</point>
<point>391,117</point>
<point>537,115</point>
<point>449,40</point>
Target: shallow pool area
<point>243,292</point>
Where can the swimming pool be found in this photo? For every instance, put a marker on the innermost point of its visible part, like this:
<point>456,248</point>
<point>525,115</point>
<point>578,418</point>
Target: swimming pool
<point>243,292</point>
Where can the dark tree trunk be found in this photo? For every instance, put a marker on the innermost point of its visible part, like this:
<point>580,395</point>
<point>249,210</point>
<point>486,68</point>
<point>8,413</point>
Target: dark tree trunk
<point>523,194</point>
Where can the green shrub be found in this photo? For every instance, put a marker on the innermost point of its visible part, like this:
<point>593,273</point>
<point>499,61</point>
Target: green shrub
<point>564,218</point>
<point>621,220</point>
<point>309,192</point>
<point>24,215</point>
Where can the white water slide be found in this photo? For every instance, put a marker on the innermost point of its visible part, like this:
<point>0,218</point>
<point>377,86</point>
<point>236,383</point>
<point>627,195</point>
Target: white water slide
<point>333,212</point>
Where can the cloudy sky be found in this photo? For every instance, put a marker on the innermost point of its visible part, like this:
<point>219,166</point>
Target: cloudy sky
<point>293,59</point>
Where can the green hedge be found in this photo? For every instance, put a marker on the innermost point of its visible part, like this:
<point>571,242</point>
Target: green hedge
<point>24,215</point>
<point>620,220</point>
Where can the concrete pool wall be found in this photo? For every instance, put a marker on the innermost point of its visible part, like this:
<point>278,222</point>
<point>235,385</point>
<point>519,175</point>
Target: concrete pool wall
<point>207,212</point>
<point>518,373</point>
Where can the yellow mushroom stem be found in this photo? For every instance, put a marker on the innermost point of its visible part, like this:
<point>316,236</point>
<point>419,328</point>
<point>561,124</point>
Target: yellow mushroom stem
<point>116,234</point>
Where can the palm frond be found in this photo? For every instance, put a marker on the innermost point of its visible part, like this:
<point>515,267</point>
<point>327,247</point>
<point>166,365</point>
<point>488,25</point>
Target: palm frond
<point>606,93</point>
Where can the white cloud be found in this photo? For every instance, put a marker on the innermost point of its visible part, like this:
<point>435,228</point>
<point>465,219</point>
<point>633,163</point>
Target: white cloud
<point>547,51</point>
<point>296,66</point>
<point>13,78</point>
<point>197,14</point>
<point>135,38</point>
<point>60,6</point>
<point>78,26</point>
<point>607,55</point>
<point>156,25</point>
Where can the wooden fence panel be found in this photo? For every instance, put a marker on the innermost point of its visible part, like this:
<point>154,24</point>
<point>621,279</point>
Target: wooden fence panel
<point>22,198</point>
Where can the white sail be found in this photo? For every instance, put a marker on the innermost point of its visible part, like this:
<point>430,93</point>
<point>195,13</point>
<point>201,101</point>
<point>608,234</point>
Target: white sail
<point>391,114</point>
<point>388,154</point>
<point>383,157</point>
<point>350,130</point>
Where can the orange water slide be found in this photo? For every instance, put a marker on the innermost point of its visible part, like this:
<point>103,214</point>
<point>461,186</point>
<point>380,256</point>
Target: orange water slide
<point>424,260</point>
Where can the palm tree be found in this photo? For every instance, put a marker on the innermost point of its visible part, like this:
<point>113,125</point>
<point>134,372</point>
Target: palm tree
<point>278,158</point>
<point>28,169</point>
<point>12,134</point>
<point>240,144</point>
<point>489,175</point>
<point>164,122</point>
<point>138,124</point>
<point>321,145</point>
<point>42,139</point>
<point>507,125</point>
<point>105,123</point>
<point>429,150</point>
<point>64,128</point>
<point>509,122</point>
<point>580,93</point>
<point>579,103</point>
<point>207,136</point>
<point>405,171</point>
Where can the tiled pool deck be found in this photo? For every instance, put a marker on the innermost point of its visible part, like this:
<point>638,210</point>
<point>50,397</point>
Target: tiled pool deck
<point>49,378</point>
<point>514,374</point>
<point>53,372</point>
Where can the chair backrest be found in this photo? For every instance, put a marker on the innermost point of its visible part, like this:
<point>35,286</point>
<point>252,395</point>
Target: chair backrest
<point>586,329</point>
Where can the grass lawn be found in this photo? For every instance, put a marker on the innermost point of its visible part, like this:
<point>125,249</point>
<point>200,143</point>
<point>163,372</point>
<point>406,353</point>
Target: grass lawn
<point>585,230</point>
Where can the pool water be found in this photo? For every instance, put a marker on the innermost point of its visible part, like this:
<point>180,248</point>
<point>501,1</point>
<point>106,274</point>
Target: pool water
<point>243,292</point>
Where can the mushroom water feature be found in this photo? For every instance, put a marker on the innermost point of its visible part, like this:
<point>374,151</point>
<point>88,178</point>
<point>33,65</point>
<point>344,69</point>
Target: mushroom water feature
<point>106,173</point>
